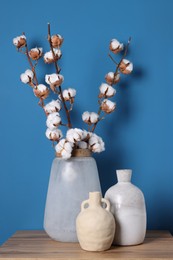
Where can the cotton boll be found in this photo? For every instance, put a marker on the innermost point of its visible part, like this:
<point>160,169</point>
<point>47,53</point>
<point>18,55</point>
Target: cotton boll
<point>53,106</point>
<point>96,144</point>
<point>115,46</point>
<point>54,79</point>
<point>53,120</point>
<point>35,53</point>
<point>49,57</point>
<point>90,117</point>
<point>64,149</point>
<point>126,66</point>
<point>27,76</point>
<point>53,135</point>
<point>112,78</point>
<point>56,40</point>
<point>74,135</point>
<point>106,91</point>
<point>69,94</point>
<point>20,41</point>
<point>108,106</point>
<point>41,91</point>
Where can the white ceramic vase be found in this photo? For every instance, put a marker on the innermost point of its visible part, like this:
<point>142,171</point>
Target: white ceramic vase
<point>70,182</point>
<point>128,208</point>
<point>95,225</point>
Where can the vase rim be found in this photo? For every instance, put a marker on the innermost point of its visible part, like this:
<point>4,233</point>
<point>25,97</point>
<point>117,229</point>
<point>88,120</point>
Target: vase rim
<point>124,175</point>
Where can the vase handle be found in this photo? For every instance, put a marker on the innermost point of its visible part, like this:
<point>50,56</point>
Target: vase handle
<point>85,202</point>
<point>107,204</point>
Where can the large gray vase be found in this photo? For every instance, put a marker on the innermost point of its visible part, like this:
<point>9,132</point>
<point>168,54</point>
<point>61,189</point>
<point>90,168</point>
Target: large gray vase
<point>128,207</point>
<point>70,182</point>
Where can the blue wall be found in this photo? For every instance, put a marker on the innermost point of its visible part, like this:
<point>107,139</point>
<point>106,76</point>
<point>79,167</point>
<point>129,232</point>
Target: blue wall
<point>139,135</point>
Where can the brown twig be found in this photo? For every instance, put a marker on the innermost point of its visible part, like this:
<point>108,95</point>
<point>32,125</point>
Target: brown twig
<point>69,125</point>
<point>95,124</point>
<point>112,58</point>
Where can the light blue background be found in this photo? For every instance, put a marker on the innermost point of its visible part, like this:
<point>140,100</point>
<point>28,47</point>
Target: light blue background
<point>139,135</point>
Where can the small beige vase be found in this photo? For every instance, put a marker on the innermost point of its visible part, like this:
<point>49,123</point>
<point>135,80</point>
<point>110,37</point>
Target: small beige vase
<point>95,225</point>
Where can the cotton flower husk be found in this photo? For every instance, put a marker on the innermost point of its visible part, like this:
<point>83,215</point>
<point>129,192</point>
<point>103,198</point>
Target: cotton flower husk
<point>49,57</point>
<point>126,66</point>
<point>53,135</point>
<point>53,120</point>
<point>35,53</point>
<point>64,149</point>
<point>41,91</point>
<point>90,117</point>
<point>53,106</point>
<point>115,46</point>
<point>111,78</point>
<point>106,90</point>
<point>108,106</point>
<point>56,40</point>
<point>20,41</point>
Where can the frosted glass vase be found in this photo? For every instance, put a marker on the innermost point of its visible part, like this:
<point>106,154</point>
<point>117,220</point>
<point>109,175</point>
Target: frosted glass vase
<point>70,182</point>
<point>128,207</point>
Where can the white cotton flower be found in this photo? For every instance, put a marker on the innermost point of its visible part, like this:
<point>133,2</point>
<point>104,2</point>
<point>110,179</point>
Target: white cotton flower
<point>108,106</point>
<point>53,106</point>
<point>106,91</point>
<point>49,57</point>
<point>53,135</point>
<point>96,143</point>
<point>54,79</point>
<point>69,93</point>
<point>126,66</point>
<point>90,117</point>
<point>19,41</point>
<point>53,120</point>
<point>27,76</point>
<point>41,91</point>
<point>64,149</point>
<point>112,78</point>
<point>115,46</point>
<point>82,145</point>
<point>74,135</point>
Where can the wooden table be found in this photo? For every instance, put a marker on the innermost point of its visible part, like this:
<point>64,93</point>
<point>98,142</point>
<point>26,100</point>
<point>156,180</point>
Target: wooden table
<point>36,245</point>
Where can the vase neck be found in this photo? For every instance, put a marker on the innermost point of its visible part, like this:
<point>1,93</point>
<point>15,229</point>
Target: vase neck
<point>124,175</point>
<point>95,199</point>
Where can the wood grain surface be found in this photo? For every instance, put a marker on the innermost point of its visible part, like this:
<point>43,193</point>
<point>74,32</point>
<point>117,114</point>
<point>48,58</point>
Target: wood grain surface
<point>36,245</point>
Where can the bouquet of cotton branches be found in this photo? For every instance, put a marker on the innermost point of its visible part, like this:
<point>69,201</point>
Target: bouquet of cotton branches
<point>75,137</point>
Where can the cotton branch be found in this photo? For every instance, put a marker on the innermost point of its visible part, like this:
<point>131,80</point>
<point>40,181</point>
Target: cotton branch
<point>69,125</point>
<point>115,74</point>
